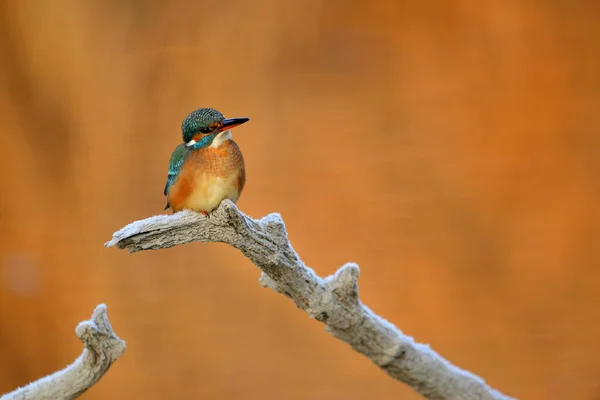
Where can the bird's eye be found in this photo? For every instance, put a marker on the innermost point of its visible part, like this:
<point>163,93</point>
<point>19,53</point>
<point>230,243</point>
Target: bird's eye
<point>204,130</point>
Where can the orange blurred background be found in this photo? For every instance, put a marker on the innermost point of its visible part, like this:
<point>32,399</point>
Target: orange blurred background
<point>452,149</point>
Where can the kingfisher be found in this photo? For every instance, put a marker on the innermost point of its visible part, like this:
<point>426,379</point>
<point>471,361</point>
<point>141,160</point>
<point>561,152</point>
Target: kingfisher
<point>208,166</point>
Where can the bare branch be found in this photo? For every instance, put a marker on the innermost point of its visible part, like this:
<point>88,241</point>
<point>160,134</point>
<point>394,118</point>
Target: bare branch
<point>333,300</point>
<point>102,348</point>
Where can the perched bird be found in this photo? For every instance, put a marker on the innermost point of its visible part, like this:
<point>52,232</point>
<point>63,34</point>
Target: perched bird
<point>208,166</point>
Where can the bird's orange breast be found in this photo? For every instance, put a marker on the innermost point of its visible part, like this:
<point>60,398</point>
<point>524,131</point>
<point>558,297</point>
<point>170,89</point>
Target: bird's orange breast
<point>208,176</point>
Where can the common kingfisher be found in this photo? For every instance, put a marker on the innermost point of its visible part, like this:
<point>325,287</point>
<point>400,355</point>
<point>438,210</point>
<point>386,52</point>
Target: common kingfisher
<point>208,166</point>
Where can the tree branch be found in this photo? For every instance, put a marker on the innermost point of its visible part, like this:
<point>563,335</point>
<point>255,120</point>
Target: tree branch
<point>333,300</point>
<point>102,348</point>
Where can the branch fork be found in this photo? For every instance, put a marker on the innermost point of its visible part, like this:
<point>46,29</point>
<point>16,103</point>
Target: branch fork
<point>333,300</point>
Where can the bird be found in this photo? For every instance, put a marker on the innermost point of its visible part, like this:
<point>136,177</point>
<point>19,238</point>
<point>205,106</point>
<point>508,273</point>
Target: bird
<point>208,166</point>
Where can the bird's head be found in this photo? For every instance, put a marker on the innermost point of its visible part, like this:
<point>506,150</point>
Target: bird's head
<point>208,127</point>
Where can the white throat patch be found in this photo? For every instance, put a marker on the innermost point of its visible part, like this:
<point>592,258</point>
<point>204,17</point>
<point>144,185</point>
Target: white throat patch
<point>221,138</point>
<point>190,143</point>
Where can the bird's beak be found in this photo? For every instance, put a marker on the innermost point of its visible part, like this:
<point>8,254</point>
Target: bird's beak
<point>230,123</point>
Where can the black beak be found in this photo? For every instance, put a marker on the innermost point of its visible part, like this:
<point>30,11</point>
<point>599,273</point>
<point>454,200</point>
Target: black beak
<point>230,123</point>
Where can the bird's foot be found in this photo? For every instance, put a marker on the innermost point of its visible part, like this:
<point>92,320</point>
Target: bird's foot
<point>204,213</point>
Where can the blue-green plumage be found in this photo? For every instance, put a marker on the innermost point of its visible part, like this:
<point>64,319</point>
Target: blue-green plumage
<point>178,157</point>
<point>200,121</point>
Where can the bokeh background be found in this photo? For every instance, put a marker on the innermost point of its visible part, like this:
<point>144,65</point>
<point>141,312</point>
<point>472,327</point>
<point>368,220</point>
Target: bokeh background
<point>452,149</point>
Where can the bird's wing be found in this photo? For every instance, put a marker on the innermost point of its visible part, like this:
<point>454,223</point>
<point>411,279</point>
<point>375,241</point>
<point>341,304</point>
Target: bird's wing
<point>177,159</point>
